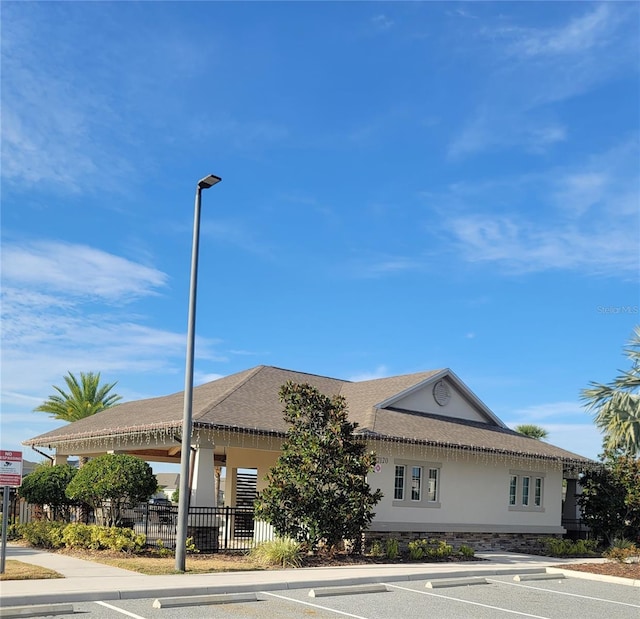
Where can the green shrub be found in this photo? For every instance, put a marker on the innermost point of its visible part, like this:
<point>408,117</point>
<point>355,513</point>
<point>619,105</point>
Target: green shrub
<point>558,547</point>
<point>430,549</point>
<point>376,549</point>
<point>586,546</point>
<point>392,549</point>
<point>46,534</point>
<point>416,549</point>
<point>42,533</point>
<point>281,551</point>
<point>78,535</point>
<point>162,550</point>
<point>121,539</point>
<point>466,551</point>
<point>13,532</point>
<point>190,545</point>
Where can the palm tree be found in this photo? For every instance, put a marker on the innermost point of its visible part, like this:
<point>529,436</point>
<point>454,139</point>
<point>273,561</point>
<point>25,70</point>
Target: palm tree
<point>617,404</point>
<point>532,431</point>
<point>85,398</point>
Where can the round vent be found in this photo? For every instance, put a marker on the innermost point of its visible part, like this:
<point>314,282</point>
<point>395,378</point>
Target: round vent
<point>441,393</point>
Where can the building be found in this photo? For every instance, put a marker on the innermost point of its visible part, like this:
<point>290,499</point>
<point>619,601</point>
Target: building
<point>446,464</point>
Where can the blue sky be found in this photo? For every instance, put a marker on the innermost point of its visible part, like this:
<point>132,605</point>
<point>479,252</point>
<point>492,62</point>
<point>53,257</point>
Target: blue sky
<point>406,186</point>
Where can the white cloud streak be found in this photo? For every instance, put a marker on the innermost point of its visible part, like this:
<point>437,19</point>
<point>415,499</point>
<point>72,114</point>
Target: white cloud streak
<point>580,35</point>
<point>63,309</point>
<point>489,222</point>
<point>382,371</point>
<point>534,67</point>
<point>77,270</point>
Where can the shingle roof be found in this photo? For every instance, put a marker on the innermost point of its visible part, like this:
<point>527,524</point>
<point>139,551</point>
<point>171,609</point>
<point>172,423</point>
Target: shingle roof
<point>249,402</point>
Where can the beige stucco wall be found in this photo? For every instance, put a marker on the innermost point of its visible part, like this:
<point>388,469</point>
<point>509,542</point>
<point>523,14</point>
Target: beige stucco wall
<point>473,496</point>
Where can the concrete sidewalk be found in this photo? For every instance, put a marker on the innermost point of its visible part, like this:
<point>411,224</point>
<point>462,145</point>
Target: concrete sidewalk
<point>89,581</point>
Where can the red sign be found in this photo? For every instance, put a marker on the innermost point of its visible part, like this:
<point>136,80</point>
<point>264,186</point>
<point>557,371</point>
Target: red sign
<point>10,468</point>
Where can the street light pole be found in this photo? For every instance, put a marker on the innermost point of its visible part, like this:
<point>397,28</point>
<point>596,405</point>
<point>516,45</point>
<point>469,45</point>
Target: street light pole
<point>187,422</point>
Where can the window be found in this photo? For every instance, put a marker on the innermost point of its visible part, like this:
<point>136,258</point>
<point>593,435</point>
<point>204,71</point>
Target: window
<point>398,488</point>
<point>432,490</point>
<point>526,491</point>
<point>537,496</point>
<point>513,490</point>
<point>416,484</point>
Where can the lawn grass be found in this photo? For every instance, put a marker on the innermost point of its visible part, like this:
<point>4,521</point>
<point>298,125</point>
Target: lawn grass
<point>17,570</point>
<point>154,565</point>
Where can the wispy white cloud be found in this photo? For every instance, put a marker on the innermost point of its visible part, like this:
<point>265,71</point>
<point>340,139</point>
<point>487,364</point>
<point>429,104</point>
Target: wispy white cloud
<point>244,353</point>
<point>576,433</point>
<point>200,378</point>
<point>379,372</point>
<point>53,127</point>
<point>381,22</point>
<point>579,35</point>
<point>74,112</point>
<point>490,222</point>
<point>383,265</point>
<point>67,268</point>
<point>496,128</point>
<point>522,246</point>
<point>538,413</point>
<point>63,310</point>
<point>535,67</point>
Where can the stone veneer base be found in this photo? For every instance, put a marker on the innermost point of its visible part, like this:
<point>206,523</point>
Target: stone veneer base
<point>480,542</point>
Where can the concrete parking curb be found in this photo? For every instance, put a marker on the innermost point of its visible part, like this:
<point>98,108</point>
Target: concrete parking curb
<point>41,610</point>
<point>348,590</point>
<point>191,590</point>
<point>438,583</point>
<point>204,600</point>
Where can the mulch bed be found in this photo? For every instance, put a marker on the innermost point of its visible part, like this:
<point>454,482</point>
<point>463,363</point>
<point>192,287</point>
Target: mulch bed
<point>610,568</point>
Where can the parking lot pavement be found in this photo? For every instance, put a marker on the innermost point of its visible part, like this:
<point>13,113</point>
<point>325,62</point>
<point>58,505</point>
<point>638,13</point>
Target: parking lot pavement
<point>500,596</point>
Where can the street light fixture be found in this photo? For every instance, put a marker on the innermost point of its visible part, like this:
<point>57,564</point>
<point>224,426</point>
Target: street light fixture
<point>187,423</point>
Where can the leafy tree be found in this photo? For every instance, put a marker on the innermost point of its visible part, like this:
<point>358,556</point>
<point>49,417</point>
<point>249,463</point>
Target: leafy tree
<point>46,485</point>
<point>532,431</point>
<point>610,498</point>
<point>85,397</point>
<point>317,490</point>
<point>617,404</point>
<point>113,482</point>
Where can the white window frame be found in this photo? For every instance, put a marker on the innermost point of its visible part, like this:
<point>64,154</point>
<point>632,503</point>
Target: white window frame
<point>416,483</point>
<point>513,489</point>
<point>396,477</point>
<point>526,491</point>
<point>428,479</point>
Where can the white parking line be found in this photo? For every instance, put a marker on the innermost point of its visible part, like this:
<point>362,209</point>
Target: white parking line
<point>120,610</point>
<point>331,610</point>
<point>575,595</point>
<point>446,597</point>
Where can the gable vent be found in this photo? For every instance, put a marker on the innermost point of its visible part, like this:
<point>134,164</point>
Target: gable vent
<point>441,393</point>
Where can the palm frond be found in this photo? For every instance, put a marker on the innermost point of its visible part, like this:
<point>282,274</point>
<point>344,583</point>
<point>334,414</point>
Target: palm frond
<point>85,397</point>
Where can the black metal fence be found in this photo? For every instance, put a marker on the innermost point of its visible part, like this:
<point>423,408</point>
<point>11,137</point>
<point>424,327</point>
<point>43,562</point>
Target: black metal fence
<point>576,529</point>
<point>211,529</point>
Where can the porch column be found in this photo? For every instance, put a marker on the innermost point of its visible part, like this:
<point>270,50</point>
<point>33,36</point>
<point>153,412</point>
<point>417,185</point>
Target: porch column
<point>203,485</point>
<point>571,509</point>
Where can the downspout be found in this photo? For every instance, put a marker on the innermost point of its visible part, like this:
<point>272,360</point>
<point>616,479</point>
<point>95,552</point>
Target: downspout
<point>51,458</point>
